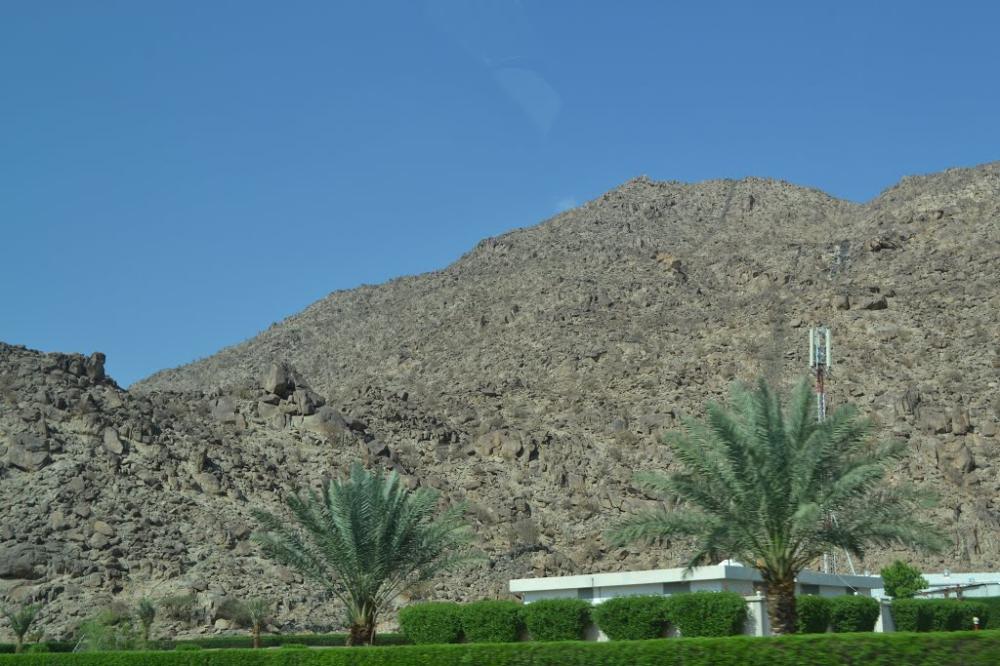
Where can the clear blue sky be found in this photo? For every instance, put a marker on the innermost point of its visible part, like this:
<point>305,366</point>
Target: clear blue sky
<point>175,176</point>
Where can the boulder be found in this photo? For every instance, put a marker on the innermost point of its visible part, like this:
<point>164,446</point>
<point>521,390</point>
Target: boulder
<point>19,561</point>
<point>327,421</point>
<point>112,442</point>
<point>94,366</point>
<point>280,379</point>
<point>28,451</point>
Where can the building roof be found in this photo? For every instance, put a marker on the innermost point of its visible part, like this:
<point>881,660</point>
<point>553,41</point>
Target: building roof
<point>680,574</point>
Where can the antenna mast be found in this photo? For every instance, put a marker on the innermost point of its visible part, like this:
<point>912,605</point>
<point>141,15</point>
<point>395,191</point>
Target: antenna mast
<point>819,361</point>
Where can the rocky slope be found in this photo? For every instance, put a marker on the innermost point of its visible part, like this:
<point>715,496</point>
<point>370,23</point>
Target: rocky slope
<point>531,378</point>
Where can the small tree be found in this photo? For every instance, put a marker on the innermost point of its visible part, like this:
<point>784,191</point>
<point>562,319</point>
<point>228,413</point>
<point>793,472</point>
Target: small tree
<point>365,539</point>
<point>21,621</point>
<point>258,614</point>
<point>902,581</point>
<point>146,612</point>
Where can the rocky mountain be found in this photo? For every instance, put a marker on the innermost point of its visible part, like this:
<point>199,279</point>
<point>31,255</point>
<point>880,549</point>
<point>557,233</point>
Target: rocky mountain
<point>531,378</point>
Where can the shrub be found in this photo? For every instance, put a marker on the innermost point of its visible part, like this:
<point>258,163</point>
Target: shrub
<point>938,614</point>
<point>901,580</point>
<point>433,622</point>
<point>109,630</point>
<point>632,618</point>
<point>707,613</point>
<point>179,607</point>
<point>492,621</point>
<point>557,619</point>
<point>853,613</point>
<point>187,647</point>
<point>813,614</point>
<point>912,614</point>
<point>38,647</point>
<point>294,646</point>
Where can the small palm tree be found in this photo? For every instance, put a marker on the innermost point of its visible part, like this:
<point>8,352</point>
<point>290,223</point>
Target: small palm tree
<point>146,612</point>
<point>258,613</point>
<point>773,487</point>
<point>20,622</point>
<point>365,539</point>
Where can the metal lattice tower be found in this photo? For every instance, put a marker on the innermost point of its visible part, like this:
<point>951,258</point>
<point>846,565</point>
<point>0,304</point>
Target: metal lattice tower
<point>819,361</point>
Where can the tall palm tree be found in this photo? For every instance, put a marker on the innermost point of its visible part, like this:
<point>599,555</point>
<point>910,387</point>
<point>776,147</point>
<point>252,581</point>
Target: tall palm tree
<point>366,539</point>
<point>770,486</point>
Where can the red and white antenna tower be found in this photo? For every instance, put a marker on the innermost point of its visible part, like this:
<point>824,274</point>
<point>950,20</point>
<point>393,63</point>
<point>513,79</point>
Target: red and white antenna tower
<point>819,361</point>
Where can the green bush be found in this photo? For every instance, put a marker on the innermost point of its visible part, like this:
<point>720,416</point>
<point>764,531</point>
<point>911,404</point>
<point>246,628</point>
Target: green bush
<point>813,614</point>
<point>967,648</point>
<point>698,614</point>
<point>901,580</point>
<point>433,622</point>
<point>853,613</point>
<point>294,646</point>
<point>938,614</point>
<point>37,647</point>
<point>557,619</point>
<point>187,647</point>
<point>492,621</point>
<point>632,618</point>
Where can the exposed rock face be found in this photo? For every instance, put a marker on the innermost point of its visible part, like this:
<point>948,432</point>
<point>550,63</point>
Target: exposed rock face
<point>532,379</point>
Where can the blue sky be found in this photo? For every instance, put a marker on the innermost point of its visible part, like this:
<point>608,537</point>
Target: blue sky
<point>175,176</point>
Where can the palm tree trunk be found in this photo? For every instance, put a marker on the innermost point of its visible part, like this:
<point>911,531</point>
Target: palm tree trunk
<point>20,643</point>
<point>256,635</point>
<point>361,633</point>
<point>781,606</point>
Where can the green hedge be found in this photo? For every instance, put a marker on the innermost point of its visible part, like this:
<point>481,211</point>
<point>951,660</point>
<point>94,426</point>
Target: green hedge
<point>492,621</point>
<point>850,613</point>
<point>700,614</point>
<point>812,614</point>
<point>434,622</point>
<point>633,618</point>
<point>980,648</point>
<point>557,619</point>
<point>938,614</point>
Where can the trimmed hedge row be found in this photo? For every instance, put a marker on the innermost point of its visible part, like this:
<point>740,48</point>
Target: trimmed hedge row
<point>229,642</point>
<point>980,648</point>
<point>812,614</point>
<point>432,623</point>
<point>843,614</point>
<point>632,618</point>
<point>557,619</point>
<point>938,614</point>
<point>623,618</point>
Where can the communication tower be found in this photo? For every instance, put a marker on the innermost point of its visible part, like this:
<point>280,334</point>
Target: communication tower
<point>819,361</point>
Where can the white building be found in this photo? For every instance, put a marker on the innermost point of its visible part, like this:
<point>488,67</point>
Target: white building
<point>949,584</point>
<point>732,577</point>
<point>716,578</point>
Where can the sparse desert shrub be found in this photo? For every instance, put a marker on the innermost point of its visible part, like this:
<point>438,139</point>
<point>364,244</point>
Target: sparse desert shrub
<point>179,607</point>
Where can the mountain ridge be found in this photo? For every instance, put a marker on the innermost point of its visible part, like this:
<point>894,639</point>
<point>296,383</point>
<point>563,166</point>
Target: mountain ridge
<point>531,379</point>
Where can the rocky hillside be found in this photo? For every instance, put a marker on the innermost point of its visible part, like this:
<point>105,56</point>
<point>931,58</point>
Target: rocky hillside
<point>531,378</point>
